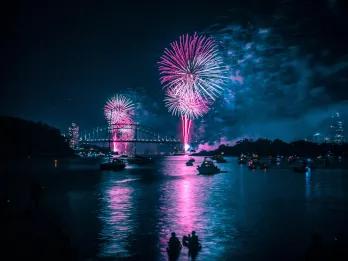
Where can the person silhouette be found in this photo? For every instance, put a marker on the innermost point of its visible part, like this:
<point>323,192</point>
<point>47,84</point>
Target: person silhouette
<point>194,246</point>
<point>194,242</point>
<point>186,240</point>
<point>174,242</point>
<point>174,247</point>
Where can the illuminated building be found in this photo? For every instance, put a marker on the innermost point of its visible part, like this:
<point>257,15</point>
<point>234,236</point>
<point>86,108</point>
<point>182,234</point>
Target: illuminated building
<point>336,128</point>
<point>73,136</point>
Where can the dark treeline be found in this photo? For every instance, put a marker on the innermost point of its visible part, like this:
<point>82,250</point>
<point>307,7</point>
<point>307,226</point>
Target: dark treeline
<point>21,138</point>
<point>265,147</point>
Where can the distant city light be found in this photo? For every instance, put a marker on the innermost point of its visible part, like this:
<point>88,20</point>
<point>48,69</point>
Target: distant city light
<point>73,136</point>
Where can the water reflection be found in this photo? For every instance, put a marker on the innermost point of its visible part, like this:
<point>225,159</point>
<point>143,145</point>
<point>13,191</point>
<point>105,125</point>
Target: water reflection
<point>195,202</point>
<point>236,214</point>
<point>116,216</point>
<point>308,175</point>
<point>185,206</point>
<point>181,204</point>
<point>170,197</point>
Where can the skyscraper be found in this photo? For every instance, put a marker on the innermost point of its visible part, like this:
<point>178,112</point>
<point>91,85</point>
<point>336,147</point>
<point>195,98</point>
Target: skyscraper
<point>336,128</point>
<point>74,135</point>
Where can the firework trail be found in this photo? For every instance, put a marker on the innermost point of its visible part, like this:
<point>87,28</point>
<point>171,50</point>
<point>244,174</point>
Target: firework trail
<point>119,112</point>
<point>192,75</point>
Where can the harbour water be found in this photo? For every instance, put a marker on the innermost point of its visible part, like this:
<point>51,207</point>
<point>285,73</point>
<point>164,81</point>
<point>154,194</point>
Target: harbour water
<point>238,215</point>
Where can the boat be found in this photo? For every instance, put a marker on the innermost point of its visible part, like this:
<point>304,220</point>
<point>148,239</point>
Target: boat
<point>301,169</point>
<point>251,164</point>
<point>208,167</point>
<point>278,160</point>
<point>263,166</point>
<point>189,163</point>
<point>139,160</point>
<point>219,159</point>
<point>114,164</point>
<point>242,159</point>
<point>301,166</point>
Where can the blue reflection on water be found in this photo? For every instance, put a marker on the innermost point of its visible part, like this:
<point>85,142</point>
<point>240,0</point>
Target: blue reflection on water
<point>308,182</point>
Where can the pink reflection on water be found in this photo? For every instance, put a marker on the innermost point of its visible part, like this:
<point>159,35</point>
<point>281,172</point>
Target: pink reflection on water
<point>119,204</point>
<point>186,205</point>
<point>182,201</point>
<point>116,219</point>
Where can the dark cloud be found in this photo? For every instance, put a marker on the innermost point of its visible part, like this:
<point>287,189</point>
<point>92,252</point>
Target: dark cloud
<point>281,86</point>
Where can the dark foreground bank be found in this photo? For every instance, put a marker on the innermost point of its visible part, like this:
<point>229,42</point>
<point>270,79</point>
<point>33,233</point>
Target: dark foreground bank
<point>26,139</point>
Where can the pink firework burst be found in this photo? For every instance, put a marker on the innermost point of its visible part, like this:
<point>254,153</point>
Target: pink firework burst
<point>193,63</point>
<point>119,111</point>
<point>186,104</point>
<point>193,75</point>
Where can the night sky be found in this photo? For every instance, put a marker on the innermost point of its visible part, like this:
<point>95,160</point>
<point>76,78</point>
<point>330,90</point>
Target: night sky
<point>288,62</point>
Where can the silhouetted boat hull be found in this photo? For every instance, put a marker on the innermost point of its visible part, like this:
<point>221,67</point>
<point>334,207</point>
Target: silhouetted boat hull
<point>208,168</point>
<point>189,163</point>
<point>300,169</point>
<point>115,165</point>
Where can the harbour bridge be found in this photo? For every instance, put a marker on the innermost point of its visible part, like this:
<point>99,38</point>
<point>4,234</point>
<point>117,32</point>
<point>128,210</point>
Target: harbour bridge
<point>140,134</point>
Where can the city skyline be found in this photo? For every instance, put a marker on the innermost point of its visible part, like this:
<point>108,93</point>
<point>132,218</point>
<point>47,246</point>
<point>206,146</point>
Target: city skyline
<point>333,133</point>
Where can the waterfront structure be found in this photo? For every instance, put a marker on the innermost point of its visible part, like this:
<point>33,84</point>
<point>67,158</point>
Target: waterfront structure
<point>73,136</point>
<point>145,139</point>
